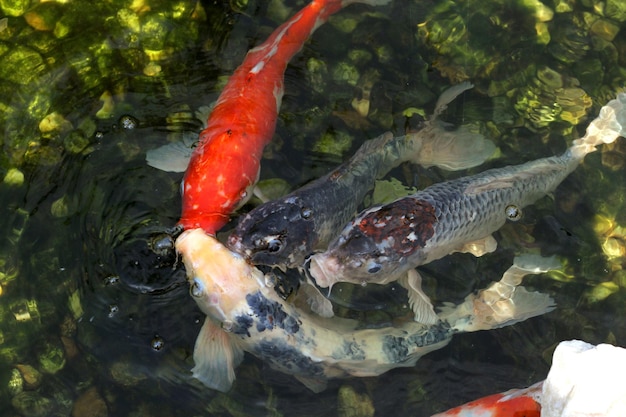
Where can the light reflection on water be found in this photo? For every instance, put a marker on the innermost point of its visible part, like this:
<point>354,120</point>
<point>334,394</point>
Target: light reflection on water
<point>97,249</point>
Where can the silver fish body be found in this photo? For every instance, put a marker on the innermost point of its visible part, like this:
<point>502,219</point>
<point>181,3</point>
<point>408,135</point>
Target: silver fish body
<point>383,242</point>
<point>284,231</point>
<point>245,314</point>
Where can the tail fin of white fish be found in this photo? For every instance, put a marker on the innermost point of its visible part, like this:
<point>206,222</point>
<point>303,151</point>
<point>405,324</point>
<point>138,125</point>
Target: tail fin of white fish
<point>503,303</point>
<point>610,123</point>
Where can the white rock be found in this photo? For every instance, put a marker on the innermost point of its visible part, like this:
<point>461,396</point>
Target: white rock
<point>585,381</point>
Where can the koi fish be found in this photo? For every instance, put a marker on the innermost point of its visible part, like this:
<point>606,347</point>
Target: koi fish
<point>282,232</point>
<point>244,313</point>
<point>584,381</point>
<point>225,164</point>
<point>516,402</point>
<point>383,242</point>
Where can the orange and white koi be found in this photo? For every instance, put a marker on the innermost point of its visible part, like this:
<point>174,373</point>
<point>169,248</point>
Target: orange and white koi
<point>516,402</point>
<point>225,164</point>
<point>584,381</point>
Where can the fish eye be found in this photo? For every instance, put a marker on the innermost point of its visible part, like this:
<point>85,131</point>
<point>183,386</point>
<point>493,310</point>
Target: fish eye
<point>274,245</point>
<point>513,212</point>
<point>196,289</point>
<point>374,268</point>
<point>306,213</point>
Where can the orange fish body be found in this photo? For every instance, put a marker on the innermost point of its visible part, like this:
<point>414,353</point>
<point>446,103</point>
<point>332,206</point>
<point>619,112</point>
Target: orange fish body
<point>514,403</point>
<point>225,164</point>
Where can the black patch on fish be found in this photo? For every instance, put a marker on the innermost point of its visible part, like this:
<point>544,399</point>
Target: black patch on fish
<point>287,357</point>
<point>242,324</point>
<point>270,314</point>
<point>271,233</point>
<point>398,348</point>
<point>349,350</point>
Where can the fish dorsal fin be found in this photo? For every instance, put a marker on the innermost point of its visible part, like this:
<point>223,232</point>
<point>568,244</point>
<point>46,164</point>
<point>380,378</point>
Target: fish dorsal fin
<point>418,300</point>
<point>314,384</point>
<point>216,356</point>
<point>509,179</point>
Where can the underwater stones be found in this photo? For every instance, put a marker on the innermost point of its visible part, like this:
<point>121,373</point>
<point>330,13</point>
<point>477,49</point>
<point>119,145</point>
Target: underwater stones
<point>31,377</point>
<point>54,125</point>
<point>614,155</point>
<point>570,43</point>
<point>600,292</point>
<point>614,247</point>
<point>90,404</point>
<point>345,73</point>
<point>604,29</point>
<point>564,6</point>
<point>14,177</point>
<point>32,404</point>
<point>352,404</point>
<point>14,7</point>
<point>126,374</point>
<point>541,12</point>
<point>616,10</point>
<point>550,97</point>
<point>76,142</point>
<point>15,385</point>
<point>52,358</point>
<point>21,65</point>
<point>273,188</point>
<point>335,143</point>
<point>44,16</point>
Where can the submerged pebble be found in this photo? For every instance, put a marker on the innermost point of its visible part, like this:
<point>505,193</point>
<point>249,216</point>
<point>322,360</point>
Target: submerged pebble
<point>352,404</point>
<point>52,358</point>
<point>90,404</point>
<point>30,375</point>
<point>32,404</point>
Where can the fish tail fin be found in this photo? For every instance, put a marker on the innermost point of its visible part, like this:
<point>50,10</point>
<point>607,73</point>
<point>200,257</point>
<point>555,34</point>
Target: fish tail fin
<point>448,149</point>
<point>503,303</point>
<point>610,123</point>
<point>454,150</point>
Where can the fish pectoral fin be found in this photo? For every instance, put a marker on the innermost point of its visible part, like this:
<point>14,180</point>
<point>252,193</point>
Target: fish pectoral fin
<point>216,356</point>
<point>173,157</point>
<point>449,95</point>
<point>480,247</point>
<point>314,384</point>
<point>418,300</point>
<point>319,304</point>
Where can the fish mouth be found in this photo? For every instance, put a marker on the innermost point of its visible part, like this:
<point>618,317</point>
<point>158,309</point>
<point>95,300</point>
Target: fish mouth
<point>323,269</point>
<point>235,244</point>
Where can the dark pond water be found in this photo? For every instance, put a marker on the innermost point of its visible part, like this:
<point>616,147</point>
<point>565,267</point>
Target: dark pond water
<point>91,312</point>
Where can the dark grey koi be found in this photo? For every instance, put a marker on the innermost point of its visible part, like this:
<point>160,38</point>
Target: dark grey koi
<point>283,232</point>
